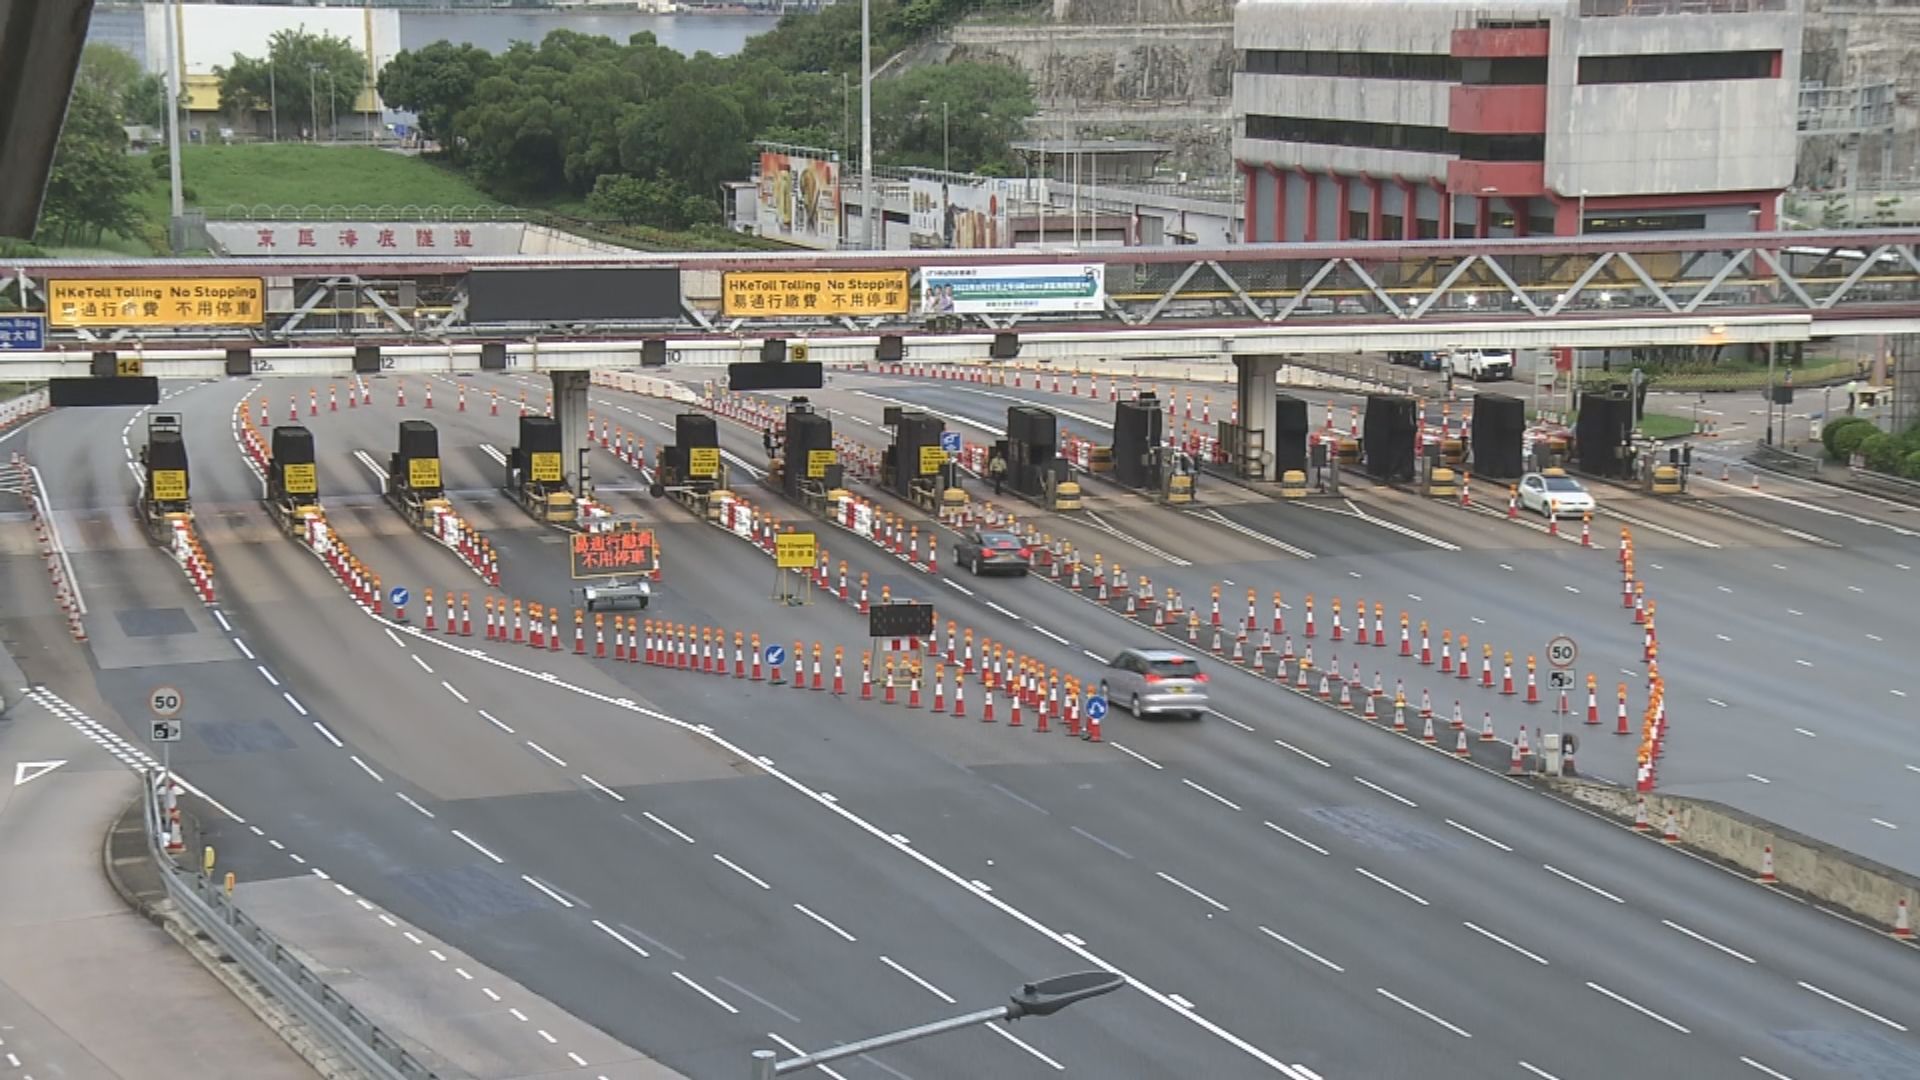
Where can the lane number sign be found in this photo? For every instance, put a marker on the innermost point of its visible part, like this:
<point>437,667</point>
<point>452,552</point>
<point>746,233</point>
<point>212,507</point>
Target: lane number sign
<point>1562,652</point>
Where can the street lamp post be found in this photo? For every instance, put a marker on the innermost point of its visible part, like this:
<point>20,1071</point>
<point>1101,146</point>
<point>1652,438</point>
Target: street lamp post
<point>1042,998</point>
<point>946,144</point>
<point>869,214</point>
<point>313,101</point>
<point>177,193</point>
<point>333,110</point>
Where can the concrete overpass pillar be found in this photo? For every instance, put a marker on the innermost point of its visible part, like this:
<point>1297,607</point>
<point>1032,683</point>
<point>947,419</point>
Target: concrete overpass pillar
<point>570,408</point>
<point>1258,384</point>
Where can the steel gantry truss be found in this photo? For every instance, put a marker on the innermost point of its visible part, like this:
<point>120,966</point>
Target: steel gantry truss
<point>1846,281</point>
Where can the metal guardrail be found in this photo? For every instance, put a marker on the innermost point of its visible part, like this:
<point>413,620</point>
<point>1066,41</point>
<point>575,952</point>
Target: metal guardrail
<point>363,212</point>
<point>1896,486</point>
<point>331,1017</point>
<point>1784,460</point>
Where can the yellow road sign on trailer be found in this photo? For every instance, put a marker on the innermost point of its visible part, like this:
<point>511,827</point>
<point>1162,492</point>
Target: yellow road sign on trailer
<point>544,467</point>
<point>300,479</point>
<point>170,485</point>
<point>819,461</point>
<point>423,472</point>
<point>794,551</point>
<point>703,462</point>
<point>931,459</point>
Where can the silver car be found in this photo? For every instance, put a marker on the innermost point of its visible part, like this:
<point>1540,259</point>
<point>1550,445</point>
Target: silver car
<point>1155,682</point>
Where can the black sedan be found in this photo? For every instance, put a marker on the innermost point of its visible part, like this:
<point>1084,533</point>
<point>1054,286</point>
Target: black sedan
<point>993,552</point>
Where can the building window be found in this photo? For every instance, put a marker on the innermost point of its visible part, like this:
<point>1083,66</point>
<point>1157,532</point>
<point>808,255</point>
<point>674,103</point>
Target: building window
<point>1680,67</point>
<point>1423,67</point>
<point>1502,147</point>
<point>1426,230</point>
<point>1635,222</point>
<point>1357,225</point>
<point>1301,129</point>
<point>1504,71</point>
<point>1390,226</point>
<point>1540,226</point>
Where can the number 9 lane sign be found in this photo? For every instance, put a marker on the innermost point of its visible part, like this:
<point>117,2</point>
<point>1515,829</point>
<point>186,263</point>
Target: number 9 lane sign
<point>1562,652</point>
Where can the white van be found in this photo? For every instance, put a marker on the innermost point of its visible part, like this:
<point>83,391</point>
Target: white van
<point>1481,365</point>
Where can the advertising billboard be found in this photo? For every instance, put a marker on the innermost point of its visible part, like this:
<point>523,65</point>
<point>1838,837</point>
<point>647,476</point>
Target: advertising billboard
<point>776,294</point>
<point>799,199</point>
<point>1005,290</point>
<point>607,293</point>
<point>111,302</point>
<point>966,212</point>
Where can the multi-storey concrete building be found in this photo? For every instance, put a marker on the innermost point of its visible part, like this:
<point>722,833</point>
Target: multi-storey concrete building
<point>1411,119</point>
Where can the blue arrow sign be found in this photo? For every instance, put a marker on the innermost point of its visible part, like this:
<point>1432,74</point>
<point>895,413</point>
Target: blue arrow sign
<point>1096,708</point>
<point>23,332</point>
<point>950,441</point>
<point>398,596</point>
<point>776,655</point>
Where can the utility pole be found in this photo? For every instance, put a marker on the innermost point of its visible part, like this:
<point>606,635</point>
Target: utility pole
<point>313,101</point>
<point>178,203</point>
<point>946,141</point>
<point>870,214</point>
<point>273,100</point>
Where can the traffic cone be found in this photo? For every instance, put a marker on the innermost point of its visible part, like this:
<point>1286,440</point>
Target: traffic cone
<point>986,706</point>
<point>1640,816</point>
<point>1367,711</point>
<point>1766,865</point>
<point>1533,686</point>
<point>1902,923</point>
<point>553,629</point>
<point>939,688</point>
<point>1426,733</point>
<point>1460,746</point>
<point>579,633</point>
<point>1013,708</point>
<point>429,609</point>
<point>913,688</point>
<point>1459,722</point>
<point>1326,688</point>
<point>959,697</point>
<point>1486,727</point>
<point>1346,695</point>
<point>1621,727</point>
<point>1593,704</point>
<point>839,676</point>
<point>818,682</point>
<point>1426,704</point>
<point>1516,764</point>
<point>1671,833</point>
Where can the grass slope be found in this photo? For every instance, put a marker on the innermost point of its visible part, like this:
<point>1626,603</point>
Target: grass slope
<point>292,174</point>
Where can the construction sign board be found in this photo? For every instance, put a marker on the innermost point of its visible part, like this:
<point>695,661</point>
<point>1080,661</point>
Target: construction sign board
<point>423,472</point>
<point>703,462</point>
<point>819,461</point>
<point>544,467</point>
<point>170,485</point>
<point>794,551</point>
<point>931,459</point>
<point>620,552</point>
<point>299,478</point>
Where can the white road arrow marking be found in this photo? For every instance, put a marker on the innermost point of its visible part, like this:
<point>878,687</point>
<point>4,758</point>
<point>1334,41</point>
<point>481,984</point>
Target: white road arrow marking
<point>26,772</point>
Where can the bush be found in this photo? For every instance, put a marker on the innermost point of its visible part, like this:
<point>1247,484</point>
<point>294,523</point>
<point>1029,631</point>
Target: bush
<point>1881,451</point>
<point>1850,437</point>
<point>1911,469</point>
<point>1910,440</point>
<point>1834,429</point>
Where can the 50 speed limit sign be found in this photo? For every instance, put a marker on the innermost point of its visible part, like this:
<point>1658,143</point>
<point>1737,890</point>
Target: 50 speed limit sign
<point>165,702</point>
<point>1562,652</point>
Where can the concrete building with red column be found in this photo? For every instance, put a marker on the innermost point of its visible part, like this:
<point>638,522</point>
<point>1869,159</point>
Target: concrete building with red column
<point>1427,119</point>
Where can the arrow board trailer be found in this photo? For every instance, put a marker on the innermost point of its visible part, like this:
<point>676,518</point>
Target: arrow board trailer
<point>413,474</point>
<point>163,480</point>
<point>618,561</point>
<point>293,488</point>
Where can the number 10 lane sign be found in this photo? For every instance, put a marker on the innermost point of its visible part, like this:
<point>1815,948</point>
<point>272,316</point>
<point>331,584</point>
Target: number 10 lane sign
<point>1562,652</point>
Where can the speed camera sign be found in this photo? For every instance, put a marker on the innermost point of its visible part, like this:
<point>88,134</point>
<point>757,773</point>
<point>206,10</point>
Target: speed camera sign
<point>1562,652</point>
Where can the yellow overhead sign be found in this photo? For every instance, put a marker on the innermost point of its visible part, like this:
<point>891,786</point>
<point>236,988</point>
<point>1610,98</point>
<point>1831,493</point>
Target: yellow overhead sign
<point>703,462</point>
<point>774,294</point>
<point>794,551</point>
<point>544,467</point>
<point>170,485</point>
<point>423,472</point>
<point>156,302</point>
<point>931,458</point>
<point>819,461</point>
<point>300,480</point>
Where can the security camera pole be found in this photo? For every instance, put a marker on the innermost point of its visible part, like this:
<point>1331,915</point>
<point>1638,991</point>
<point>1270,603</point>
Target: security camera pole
<point>1042,998</point>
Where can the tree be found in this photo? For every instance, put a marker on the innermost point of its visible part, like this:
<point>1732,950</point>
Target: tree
<point>692,134</point>
<point>307,78</point>
<point>94,186</point>
<point>433,83</point>
<point>115,74</point>
<point>986,107</point>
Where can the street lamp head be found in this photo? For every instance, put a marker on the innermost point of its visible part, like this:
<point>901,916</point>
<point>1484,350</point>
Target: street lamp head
<point>1044,997</point>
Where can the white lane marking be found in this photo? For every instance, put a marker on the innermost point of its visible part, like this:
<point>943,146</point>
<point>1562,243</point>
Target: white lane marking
<point>1802,662</point>
<point>1180,1001</point>
<point>396,638</point>
<point>1100,523</point>
<point>1217,518</point>
<point>1539,1072</point>
<point>1838,1000</point>
<point>741,870</point>
<point>1285,745</point>
<point>1571,589</point>
<point>858,419</point>
<point>1775,1073</point>
<point>1404,1003</point>
<point>297,707</point>
<point>1015,616</point>
<point>1296,838</point>
<point>706,993</point>
<point>1716,703</point>
<point>1898,693</point>
<point>1480,836</point>
<point>496,723</point>
<point>221,618</point>
<point>1723,589</point>
<point>1805,732</point>
<point>373,467</point>
<point>1589,886</point>
<point>794,1049</point>
<point>1394,526</point>
<point>1134,754</point>
<point>1303,950</point>
<point>366,768</point>
<point>265,674</point>
<point>1177,883</point>
<point>649,815</point>
<point>53,536</point>
<point>1395,796</point>
<point>1637,1007</point>
<point>543,887</point>
<point>1723,637</point>
<point>604,789</point>
<point>1478,620</point>
<point>1093,656</point>
<point>1102,843</point>
<point>488,990</point>
<point>1875,637</point>
<point>1048,633</point>
<point>1028,1047</point>
<point>1507,568</point>
<point>980,885</point>
<point>1705,940</point>
<point>244,651</point>
<point>1792,611</point>
<point>1221,799</point>
<point>1236,723</point>
<point>476,845</point>
<point>918,981</point>
<point>331,737</point>
<point>545,1034</point>
<point>454,692</point>
<point>1883,824</point>
<point>952,584</point>
<point>1491,936</point>
<point>1376,878</point>
<point>823,921</point>
<point>422,663</point>
<point>545,753</point>
<point>621,938</point>
<point>1756,777</point>
<point>408,799</point>
<point>1826,510</point>
<point>1642,523</point>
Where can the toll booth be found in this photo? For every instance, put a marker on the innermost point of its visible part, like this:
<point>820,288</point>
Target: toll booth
<point>1288,440</point>
<point>1137,433</point>
<point>293,483</point>
<point>913,466</point>
<point>692,461</point>
<point>1388,439</point>
<point>809,464</point>
<point>1602,438</point>
<point>536,471</point>
<point>164,477</point>
<point>1033,441</point>
<point>1499,429</point>
<point>413,472</point>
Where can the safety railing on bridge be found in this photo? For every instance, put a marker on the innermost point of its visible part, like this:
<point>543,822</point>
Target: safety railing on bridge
<point>210,908</point>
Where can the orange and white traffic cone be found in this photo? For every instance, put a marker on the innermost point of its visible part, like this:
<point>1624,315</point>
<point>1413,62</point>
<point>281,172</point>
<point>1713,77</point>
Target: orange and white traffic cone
<point>1640,823</point>
<point>1671,832</point>
<point>1460,746</point>
<point>1902,922</point>
<point>1766,866</point>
